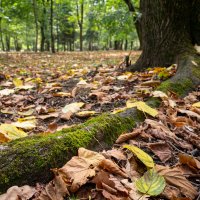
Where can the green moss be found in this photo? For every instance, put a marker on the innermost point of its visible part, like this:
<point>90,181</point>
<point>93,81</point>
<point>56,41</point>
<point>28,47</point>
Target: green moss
<point>30,159</point>
<point>180,87</point>
<point>154,102</point>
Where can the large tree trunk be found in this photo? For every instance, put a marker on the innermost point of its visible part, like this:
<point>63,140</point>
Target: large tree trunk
<point>169,30</point>
<point>29,160</point>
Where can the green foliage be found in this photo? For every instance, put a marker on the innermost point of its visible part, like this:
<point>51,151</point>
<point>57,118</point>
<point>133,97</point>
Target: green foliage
<point>104,22</point>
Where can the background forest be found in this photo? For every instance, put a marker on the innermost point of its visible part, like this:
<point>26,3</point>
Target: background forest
<point>60,25</point>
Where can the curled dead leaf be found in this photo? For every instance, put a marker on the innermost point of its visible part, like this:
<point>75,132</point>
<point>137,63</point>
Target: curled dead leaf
<point>112,167</point>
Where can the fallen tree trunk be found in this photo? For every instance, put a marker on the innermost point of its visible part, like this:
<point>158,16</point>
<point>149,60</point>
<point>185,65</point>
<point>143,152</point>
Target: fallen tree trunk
<point>29,160</point>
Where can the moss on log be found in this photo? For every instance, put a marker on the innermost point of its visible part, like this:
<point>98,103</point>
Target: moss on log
<point>29,160</point>
<point>187,77</point>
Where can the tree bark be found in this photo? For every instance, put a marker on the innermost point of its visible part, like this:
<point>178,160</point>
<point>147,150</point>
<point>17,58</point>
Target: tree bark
<point>29,160</point>
<point>80,13</point>
<point>36,23</point>
<point>43,27</point>
<point>136,20</point>
<point>168,33</point>
<point>51,24</point>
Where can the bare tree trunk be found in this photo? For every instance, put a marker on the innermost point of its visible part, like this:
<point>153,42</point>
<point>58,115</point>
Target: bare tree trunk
<point>80,13</point>
<point>7,42</point>
<point>1,36</point>
<point>136,20</point>
<point>51,24</point>
<point>36,23</point>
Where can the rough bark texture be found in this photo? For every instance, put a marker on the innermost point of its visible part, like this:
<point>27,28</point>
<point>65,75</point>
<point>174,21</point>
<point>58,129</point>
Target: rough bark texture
<point>167,31</point>
<point>29,160</point>
<point>170,28</point>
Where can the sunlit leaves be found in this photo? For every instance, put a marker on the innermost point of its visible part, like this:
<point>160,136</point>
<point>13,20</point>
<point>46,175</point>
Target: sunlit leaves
<point>142,106</point>
<point>144,157</point>
<point>10,132</point>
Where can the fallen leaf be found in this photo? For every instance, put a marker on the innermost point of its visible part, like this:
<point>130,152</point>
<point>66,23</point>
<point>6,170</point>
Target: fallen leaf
<point>189,113</point>
<point>27,125</point>
<point>127,136</point>
<point>175,178</point>
<point>10,132</point>
<point>80,168</point>
<point>141,155</point>
<point>26,113</point>
<point>18,82</point>
<point>189,160</point>
<point>18,193</point>
<point>73,107</point>
<point>112,167</point>
<point>161,127</point>
<point>142,106</point>
<point>162,150</point>
<point>85,113</point>
<point>151,183</point>
<point>116,153</point>
<point>197,104</point>
<point>62,94</point>
<point>160,94</point>
<point>6,92</point>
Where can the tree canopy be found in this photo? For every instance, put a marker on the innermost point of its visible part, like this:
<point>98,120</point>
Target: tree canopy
<point>80,24</point>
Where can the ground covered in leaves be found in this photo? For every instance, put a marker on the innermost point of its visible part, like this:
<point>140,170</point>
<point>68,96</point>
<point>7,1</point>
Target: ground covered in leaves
<point>159,159</point>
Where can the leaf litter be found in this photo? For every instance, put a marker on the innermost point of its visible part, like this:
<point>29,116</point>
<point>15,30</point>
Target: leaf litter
<point>163,160</point>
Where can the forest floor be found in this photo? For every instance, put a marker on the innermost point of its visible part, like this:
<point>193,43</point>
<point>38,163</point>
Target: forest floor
<point>42,93</point>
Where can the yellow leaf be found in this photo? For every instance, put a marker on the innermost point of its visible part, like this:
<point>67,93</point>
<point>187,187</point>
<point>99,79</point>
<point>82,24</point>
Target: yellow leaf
<point>27,125</point>
<point>142,106</point>
<point>141,155</point>
<point>10,132</point>
<point>73,107</point>
<point>85,113</point>
<point>197,104</point>
<point>119,110</point>
<point>26,113</point>
<point>151,183</point>
<point>18,82</point>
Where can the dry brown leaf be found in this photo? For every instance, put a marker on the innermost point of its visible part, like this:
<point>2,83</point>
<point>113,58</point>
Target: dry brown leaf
<point>118,185</point>
<point>110,196</point>
<point>170,191</point>
<point>161,127</point>
<point>52,127</point>
<point>127,136</point>
<point>162,150</point>
<point>102,177</point>
<point>66,116</point>
<point>54,190</point>
<point>189,160</point>
<point>112,167</point>
<point>80,168</point>
<point>189,113</point>
<point>18,193</point>
<point>116,153</point>
<point>175,178</point>
<point>78,171</point>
